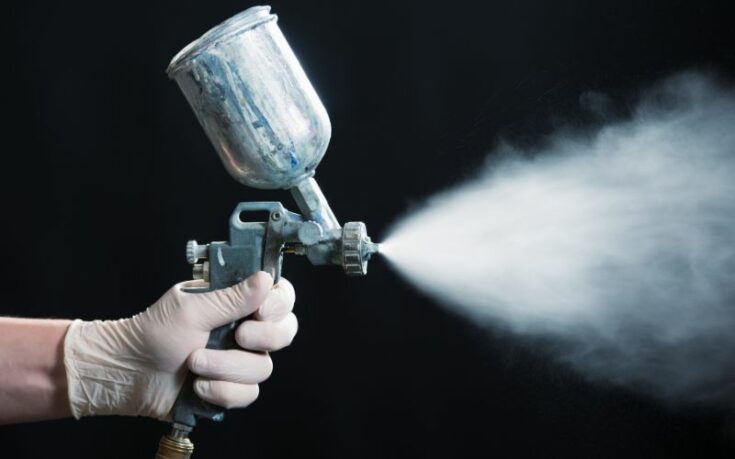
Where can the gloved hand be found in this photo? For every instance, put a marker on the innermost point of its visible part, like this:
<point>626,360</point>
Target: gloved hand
<point>136,366</point>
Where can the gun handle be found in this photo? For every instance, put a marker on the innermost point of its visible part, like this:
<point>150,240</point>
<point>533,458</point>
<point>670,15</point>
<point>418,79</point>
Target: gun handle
<point>253,246</point>
<point>188,405</point>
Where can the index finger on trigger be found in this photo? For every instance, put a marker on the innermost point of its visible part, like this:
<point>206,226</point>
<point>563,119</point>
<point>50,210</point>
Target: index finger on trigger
<point>279,302</point>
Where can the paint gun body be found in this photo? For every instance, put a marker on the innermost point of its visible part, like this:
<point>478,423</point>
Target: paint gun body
<point>259,246</point>
<point>270,129</point>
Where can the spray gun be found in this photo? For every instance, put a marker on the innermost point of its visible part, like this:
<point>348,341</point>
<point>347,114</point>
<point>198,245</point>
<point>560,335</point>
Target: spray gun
<point>270,129</point>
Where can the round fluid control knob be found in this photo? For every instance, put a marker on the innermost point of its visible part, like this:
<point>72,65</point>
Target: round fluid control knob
<point>357,248</point>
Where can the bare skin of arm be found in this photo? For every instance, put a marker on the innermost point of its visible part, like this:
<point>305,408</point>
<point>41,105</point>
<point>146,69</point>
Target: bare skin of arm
<point>32,374</point>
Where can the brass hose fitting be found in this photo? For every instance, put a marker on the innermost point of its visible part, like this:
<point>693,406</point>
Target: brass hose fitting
<point>175,445</point>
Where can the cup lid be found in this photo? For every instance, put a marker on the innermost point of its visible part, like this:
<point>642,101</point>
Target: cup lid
<point>245,20</point>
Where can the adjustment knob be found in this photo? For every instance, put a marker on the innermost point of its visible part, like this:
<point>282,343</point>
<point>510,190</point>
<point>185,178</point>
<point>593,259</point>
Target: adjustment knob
<point>356,248</point>
<point>194,251</point>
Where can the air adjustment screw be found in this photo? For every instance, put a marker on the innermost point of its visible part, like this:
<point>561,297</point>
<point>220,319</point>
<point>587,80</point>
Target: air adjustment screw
<point>194,251</point>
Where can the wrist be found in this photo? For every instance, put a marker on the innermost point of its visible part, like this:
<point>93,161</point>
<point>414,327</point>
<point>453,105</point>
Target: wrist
<point>32,375</point>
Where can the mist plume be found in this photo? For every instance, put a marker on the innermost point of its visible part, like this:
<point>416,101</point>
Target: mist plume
<point>618,243</point>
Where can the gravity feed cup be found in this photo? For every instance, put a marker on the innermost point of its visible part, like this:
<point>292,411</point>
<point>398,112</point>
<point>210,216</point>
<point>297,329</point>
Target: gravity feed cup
<point>254,101</point>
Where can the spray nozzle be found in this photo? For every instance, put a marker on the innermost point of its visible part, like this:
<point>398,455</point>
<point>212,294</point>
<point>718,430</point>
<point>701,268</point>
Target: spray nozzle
<point>325,241</point>
<point>357,248</point>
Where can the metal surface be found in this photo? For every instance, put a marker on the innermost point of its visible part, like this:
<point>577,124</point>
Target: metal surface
<point>310,233</point>
<point>195,251</point>
<point>254,101</point>
<point>357,248</point>
<point>314,205</point>
<point>175,445</point>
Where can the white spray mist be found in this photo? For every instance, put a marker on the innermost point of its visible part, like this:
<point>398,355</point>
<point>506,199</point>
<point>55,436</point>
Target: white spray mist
<point>620,243</point>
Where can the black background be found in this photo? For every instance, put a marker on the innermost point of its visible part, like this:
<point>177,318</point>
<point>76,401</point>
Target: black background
<point>106,174</point>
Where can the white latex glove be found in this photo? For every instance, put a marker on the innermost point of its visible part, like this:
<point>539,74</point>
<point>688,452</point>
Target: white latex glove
<point>137,366</point>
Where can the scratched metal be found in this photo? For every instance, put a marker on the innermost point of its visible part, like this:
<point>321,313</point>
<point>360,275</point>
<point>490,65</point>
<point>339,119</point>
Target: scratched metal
<point>254,101</point>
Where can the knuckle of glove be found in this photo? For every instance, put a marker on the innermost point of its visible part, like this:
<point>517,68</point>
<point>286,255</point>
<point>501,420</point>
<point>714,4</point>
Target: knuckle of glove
<point>270,338</point>
<point>260,336</point>
<point>226,394</point>
<point>287,294</point>
<point>260,369</point>
<point>279,302</point>
<point>197,360</point>
<point>292,328</point>
<point>282,334</point>
<point>256,286</point>
<point>246,394</point>
<point>235,366</point>
<point>268,364</point>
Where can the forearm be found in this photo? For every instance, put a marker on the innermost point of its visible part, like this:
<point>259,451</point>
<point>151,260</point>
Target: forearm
<point>32,375</point>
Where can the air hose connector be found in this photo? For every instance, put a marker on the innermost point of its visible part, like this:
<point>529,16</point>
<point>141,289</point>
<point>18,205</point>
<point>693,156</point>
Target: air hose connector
<point>176,445</point>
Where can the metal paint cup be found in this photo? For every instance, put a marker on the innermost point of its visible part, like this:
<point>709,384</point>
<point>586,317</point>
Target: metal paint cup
<point>254,100</point>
